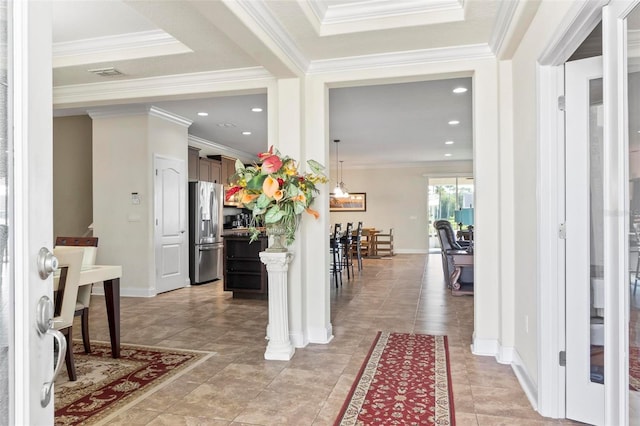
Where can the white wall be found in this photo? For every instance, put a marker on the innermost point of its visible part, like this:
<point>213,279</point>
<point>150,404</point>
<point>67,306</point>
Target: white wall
<point>72,196</point>
<point>120,167</point>
<point>525,122</point>
<point>123,150</point>
<point>397,198</point>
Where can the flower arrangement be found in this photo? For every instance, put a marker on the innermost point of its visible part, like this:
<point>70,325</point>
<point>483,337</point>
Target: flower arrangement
<point>276,192</point>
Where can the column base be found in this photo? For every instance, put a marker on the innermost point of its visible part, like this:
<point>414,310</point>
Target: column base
<point>279,351</point>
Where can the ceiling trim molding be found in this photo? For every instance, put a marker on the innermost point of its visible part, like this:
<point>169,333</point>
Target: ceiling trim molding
<point>372,15</point>
<point>225,150</point>
<point>576,26</point>
<point>169,116</point>
<point>475,51</point>
<point>270,25</point>
<point>130,110</point>
<point>633,43</point>
<point>506,12</point>
<point>203,82</point>
<point>99,45</point>
<point>375,9</point>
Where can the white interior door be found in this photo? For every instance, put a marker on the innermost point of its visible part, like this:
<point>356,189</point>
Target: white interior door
<point>27,208</point>
<point>170,207</point>
<point>585,218</point>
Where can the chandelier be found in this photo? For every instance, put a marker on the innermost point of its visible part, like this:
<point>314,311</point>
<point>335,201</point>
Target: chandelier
<point>340,191</point>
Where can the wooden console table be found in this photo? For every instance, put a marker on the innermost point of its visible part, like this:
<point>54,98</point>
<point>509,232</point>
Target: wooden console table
<point>461,259</point>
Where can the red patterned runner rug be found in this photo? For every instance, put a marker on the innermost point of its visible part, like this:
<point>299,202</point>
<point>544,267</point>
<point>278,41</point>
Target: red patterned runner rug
<point>106,384</point>
<point>634,368</point>
<point>405,379</point>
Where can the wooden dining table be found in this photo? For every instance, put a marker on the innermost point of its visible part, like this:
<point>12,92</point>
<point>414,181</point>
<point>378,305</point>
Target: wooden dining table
<point>109,275</point>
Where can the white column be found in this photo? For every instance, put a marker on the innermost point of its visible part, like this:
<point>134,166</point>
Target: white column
<point>279,347</point>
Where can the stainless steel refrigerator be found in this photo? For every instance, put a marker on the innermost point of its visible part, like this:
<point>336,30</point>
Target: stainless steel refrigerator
<point>205,231</point>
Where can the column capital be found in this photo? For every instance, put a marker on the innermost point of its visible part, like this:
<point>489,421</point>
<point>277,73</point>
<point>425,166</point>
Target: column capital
<point>276,261</point>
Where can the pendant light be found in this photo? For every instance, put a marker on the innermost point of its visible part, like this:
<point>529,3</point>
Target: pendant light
<point>340,191</point>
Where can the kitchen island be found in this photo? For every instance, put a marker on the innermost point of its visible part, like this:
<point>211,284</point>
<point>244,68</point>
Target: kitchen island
<point>244,274</point>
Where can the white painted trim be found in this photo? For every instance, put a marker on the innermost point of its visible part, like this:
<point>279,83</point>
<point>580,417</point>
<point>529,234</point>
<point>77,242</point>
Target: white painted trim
<point>505,354</point>
<point>368,10</point>
<point>116,47</point>
<point>444,54</point>
<point>320,335</point>
<point>297,339</point>
<point>485,347</point>
<point>410,251</point>
<point>526,382</point>
<point>411,165</point>
<point>195,83</point>
<point>138,40</point>
<point>616,194</point>
<point>263,17</point>
<point>550,279</point>
<point>169,116</point>
<point>576,26</point>
<point>224,150</point>
<point>506,12</point>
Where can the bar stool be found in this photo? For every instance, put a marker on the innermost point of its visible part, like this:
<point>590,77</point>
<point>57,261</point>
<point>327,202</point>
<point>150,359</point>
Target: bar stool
<point>345,242</point>
<point>335,251</point>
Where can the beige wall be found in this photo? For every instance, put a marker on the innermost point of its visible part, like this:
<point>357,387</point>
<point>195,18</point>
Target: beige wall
<point>72,171</point>
<point>397,198</point>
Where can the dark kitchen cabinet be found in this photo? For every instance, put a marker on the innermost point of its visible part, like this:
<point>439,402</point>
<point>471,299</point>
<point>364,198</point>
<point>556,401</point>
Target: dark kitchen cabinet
<point>244,273</point>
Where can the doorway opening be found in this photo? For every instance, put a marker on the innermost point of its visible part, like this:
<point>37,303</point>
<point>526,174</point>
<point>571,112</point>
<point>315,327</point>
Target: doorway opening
<point>448,198</point>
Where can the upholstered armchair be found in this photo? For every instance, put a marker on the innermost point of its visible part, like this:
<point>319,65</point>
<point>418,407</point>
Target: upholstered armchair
<point>449,243</point>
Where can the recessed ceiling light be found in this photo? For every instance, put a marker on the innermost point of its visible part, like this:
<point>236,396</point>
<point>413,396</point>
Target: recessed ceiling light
<point>203,114</point>
<point>459,90</point>
<point>454,123</point>
<point>448,143</point>
<point>246,133</point>
<point>256,109</point>
<point>447,155</point>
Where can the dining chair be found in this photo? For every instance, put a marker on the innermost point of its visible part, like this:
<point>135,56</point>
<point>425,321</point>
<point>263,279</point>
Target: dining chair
<point>70,261</point>
<point>89,246</point>
<point>334,250</point>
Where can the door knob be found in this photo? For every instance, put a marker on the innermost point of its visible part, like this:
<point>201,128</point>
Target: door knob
<point>47,263</point>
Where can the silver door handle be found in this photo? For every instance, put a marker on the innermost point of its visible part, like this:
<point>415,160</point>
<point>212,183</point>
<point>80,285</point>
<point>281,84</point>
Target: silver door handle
<point>44,322</point>
<point>209,249</point>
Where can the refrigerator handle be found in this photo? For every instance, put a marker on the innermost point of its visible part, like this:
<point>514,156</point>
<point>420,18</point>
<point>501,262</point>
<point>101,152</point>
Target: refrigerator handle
<point>214,212</point>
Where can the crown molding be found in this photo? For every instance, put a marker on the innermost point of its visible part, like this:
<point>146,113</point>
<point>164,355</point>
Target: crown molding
<point>270,25</point>
<point>633,43</point>
<point>169,116</point>
<point>370,15</point>
<point>475,51</point>
<point>506,12</point>
<point>194,83</point>
<point>130,110</point>
<point>224,150</point>
<point>117,47</point>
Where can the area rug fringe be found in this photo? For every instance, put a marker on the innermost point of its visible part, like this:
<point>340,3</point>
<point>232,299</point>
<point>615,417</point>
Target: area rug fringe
<point>405,379</point>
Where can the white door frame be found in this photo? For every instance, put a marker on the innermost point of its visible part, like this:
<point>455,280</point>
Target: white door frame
<point>551,382</point>
<point>31,357</point>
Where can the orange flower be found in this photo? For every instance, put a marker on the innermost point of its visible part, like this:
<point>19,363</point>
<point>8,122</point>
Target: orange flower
<point>270,186</point>
<point>312,212</point>
<point>300,197</point>
<point>247,198</point>
<point>278,195</point>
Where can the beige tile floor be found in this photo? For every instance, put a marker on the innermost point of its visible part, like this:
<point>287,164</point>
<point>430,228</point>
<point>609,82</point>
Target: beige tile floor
<point>238,387</point>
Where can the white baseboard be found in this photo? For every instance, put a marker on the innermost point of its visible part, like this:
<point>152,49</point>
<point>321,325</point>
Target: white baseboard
<point>410,251</point>
<point>485,347</point>
<point>297,339</point>
<point>322,335</point>
<point>528,385</point>
<point>126,291</point>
